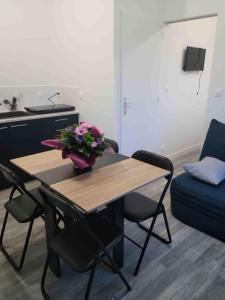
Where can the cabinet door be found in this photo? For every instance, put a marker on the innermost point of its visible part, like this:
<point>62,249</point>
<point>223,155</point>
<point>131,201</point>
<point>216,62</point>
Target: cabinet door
<point>5,147</point>
<point>39,131</point>
<point>21,139</point>
<point>13,144</point>
<point>62,122</point>
<point>57,123</point>
<point>46,128</point>
<point>5,144</point>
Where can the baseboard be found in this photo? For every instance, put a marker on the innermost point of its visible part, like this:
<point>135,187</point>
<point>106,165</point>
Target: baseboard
<point>184,151</point>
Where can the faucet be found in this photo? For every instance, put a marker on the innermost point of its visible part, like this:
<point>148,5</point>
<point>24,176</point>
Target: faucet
<point>13,103</point>
<point>49,98</point>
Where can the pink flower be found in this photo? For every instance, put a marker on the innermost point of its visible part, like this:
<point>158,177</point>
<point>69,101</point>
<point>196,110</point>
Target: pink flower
<point>80,131</point>
<point>95,132</point>
<point>94,144</point>
<point>101,132</point>
<point>85,125</point>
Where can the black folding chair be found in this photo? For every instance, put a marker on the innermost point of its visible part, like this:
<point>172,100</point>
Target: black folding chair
<point>25,208</point>
<point>139,208</point>
<point>113,144</point>
<point>82,243</point>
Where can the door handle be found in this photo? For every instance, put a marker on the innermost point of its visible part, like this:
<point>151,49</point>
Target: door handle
<point>18,125</point>
<point>125,105</point>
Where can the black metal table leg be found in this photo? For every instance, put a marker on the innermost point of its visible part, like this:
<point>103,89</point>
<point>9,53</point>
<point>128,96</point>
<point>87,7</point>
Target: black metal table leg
<point>50,223</point>
<point>118,251</point>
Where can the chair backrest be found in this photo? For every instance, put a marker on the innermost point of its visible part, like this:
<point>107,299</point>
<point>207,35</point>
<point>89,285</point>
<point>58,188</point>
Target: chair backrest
<point>112,144</point>
<point>12,178</point>
<point>158,161</point>
<point>59,203</point>
<point>16,183</point>
<point>214,144</point>
<point>69,209</point>
<point>155,160</point>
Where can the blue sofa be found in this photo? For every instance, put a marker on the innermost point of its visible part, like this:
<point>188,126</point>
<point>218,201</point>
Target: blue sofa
<point>199,204</point>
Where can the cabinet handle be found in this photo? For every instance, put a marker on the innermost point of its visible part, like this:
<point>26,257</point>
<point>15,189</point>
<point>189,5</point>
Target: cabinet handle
<point>18,125</point>
<point>2,128</point>
<point>60,120</point>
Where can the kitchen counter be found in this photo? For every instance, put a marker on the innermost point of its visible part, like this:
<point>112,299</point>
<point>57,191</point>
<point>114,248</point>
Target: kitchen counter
<point>34,117</point>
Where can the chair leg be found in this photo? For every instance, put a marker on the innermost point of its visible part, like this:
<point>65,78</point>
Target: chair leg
<point>6,254</point>
<point>167,226</point>
<point>44,293</point>
<point>90,281</point>
<point>3,229</point>
<point>156,235</point>
<point>116,268</point>
<point>145,246</point>
<point>26,243</point>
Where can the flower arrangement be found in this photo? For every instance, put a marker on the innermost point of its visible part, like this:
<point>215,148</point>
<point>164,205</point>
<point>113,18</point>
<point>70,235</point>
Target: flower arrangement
<point>82,143</point>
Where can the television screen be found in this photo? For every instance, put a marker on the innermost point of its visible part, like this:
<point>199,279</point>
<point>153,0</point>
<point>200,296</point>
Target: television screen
<point>195,59</point>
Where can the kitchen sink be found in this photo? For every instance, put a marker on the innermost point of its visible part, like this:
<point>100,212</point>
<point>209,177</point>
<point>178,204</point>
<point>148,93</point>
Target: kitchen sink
<point>14,114</point>
<point>48,109</point>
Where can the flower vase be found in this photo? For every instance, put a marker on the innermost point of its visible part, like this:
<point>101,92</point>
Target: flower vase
<point>82,171</point>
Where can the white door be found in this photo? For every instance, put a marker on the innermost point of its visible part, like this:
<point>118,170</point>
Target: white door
<point>140,68</point>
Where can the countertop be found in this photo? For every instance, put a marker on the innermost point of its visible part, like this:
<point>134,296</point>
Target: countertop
<point>33,117</point>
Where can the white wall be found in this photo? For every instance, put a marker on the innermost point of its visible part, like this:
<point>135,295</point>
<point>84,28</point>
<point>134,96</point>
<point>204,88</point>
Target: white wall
<point>26,50</point>
<point>27,55</point>
<point>83,42</point>
<point>183,112</point>
<point>181,9</point>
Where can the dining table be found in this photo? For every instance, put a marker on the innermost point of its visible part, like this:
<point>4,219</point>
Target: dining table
<point>100,190</point>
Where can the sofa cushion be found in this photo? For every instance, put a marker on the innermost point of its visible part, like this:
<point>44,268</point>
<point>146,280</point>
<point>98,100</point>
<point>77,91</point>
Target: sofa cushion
<point>199,195</point>
<point>214,145</point>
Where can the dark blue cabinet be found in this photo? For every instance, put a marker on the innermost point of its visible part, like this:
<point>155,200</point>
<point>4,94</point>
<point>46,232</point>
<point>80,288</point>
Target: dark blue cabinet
<point>24,138</point>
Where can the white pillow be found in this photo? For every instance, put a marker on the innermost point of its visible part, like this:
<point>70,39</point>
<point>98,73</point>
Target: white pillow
<point>210,170</point>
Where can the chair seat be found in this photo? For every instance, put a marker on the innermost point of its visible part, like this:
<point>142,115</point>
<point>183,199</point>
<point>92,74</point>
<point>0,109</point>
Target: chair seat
<point>74,245</point>
<point>22,208</point>
<point>138,207</point>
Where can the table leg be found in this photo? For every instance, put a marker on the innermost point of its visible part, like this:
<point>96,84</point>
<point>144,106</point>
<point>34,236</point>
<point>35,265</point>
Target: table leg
<point>118,251</point>
<point>50,223</point>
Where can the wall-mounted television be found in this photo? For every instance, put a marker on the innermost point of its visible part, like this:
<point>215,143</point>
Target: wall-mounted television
<point>194,59</point>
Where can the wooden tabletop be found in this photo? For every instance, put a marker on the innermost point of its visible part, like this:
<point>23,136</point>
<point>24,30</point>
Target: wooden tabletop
<point>94,189</point>
<point>40,162</point>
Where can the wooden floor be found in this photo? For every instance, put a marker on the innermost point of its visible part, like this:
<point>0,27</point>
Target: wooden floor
<point>193,267</point>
